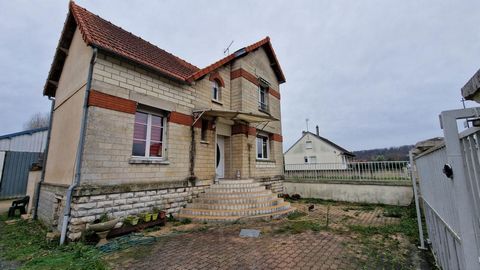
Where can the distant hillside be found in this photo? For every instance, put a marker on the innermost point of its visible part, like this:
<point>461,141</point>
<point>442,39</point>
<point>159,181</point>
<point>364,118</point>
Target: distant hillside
<point>384,154</point>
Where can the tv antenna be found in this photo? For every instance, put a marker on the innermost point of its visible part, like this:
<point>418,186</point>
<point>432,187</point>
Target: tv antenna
<point>306,121</point>
<point>227,50</point>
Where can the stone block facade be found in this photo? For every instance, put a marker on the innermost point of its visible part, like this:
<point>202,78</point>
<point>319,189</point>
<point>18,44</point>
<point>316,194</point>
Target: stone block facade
<point>112,179</point>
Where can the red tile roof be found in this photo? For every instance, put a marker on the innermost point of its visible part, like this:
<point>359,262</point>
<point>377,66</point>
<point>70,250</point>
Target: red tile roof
<point>239,53</point>
<point>104,35</point>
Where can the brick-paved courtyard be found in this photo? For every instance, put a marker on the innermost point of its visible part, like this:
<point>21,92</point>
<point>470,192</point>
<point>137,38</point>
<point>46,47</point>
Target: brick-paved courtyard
<point>198,246</point>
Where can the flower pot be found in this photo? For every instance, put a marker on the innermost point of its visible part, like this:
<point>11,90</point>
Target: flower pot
<point>132,220</point>
<point>154,216</point>
<point>147,217</point>
<point>162,214</point>
<point>102,230</point>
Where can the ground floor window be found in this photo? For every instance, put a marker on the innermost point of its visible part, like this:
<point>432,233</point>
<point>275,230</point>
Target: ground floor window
<point>148,135</point>
<point>263,146</point>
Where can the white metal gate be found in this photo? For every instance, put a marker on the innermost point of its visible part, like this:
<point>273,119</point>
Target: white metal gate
<point>452,201</point>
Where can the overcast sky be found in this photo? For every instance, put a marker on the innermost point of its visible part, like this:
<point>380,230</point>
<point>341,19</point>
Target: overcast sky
<point>369,73</point>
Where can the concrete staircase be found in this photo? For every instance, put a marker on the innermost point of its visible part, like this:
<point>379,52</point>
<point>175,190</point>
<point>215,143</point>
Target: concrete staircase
<point>235,200</point>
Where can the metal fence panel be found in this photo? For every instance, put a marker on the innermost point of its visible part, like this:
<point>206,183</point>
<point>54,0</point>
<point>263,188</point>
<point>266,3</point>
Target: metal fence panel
<point>15,173</point>
<point>368,171</point>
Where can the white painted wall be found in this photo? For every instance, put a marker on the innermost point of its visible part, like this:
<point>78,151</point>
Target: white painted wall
<point>324,152</point>
<point>357,193</point>
<point>25,143</point>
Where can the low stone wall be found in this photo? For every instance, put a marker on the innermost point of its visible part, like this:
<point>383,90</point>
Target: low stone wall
<point>90,202</point>
<point>51,204</point>
<point>377,192</point>
<point>273,183</point>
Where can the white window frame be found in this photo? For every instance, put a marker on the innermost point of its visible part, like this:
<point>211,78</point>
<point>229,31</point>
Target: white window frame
<point>263,106</point>
<point>308,145</point>
<point>216,89</point>
<point>148,138</point>
<point>267,154</point>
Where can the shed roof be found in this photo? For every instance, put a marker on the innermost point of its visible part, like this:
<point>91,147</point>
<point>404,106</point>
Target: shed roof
<point>25,132</point>
<point>341,149</point>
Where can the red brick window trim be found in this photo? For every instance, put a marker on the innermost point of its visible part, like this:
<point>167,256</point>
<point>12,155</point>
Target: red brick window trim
<point>106,101</point>
<point>241,73</point>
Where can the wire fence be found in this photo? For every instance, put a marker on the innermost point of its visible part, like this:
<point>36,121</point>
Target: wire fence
<point>359,171</point>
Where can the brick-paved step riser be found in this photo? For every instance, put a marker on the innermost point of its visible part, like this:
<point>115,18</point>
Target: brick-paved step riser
<point>245,185</point>
<point>235,190</point>
<point>236,195</point>
<point>245,181</point>
<point>234,206</point>
<point>227,219</point>
<point>242,213</point>
<point>234,200</point>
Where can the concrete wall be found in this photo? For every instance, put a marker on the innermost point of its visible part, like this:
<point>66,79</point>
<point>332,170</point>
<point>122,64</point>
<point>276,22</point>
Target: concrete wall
<point>33,179</point>
<point>392,193</point>
<point>67,114</point>
<point>324,152</point>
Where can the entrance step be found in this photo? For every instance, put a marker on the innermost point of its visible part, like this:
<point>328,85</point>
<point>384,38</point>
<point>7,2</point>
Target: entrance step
<point>235,200</point>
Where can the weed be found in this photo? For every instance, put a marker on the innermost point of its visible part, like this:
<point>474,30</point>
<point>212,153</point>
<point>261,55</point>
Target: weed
<point>186,221</point>
<point>25,242</point>
<point>296,215</point>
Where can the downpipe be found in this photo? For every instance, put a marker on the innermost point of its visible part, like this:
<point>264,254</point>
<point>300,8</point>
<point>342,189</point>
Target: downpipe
<point>45,157</point>
<point>78,158</point>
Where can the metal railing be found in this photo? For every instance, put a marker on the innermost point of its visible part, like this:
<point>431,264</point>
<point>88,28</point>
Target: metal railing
<point>451,201</point>
<point>361,171</point>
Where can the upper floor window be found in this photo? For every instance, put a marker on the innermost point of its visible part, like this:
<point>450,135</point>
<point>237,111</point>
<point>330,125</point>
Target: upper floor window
<point>263,146</point>
<point>148,135</point>
<point>262,98</point>
<point>216,90</point>
<point>308,145</point>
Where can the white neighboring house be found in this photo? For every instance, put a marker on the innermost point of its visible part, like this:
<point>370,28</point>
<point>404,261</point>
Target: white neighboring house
<point>314,152</point>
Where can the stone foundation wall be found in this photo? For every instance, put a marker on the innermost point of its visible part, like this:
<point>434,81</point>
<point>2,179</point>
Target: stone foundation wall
<point>90,202</point>
<point>51,204</point>
<point>274,183</point>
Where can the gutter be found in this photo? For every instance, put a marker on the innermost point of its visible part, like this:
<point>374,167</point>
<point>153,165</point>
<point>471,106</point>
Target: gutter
<point>78,159</point>
<point>45,156</point>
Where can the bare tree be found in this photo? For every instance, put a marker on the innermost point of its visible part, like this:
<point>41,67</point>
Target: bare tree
<point>37,120</point>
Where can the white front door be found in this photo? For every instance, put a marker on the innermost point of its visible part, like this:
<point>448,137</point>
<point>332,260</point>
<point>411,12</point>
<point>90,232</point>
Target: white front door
<point>220,156</point>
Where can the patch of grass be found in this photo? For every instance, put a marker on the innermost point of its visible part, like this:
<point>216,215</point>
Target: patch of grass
<point>186,221</point>
<point>25,242</point>
<point>296,215</point>
<point>299,227</point>
<point>380,243</point>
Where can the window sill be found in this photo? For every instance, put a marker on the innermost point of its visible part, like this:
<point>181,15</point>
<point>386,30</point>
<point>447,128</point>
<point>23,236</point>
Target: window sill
<point>264,111</point>
<point>217,102</point>
<point>140,160</point>
<point>204,142</point>
<point>266,160</point>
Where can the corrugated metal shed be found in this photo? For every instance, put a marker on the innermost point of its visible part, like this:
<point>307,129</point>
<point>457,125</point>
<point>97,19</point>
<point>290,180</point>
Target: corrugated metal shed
<point>33,140</point>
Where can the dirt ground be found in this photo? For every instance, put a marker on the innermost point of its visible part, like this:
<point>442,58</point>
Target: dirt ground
<point>330,236</point>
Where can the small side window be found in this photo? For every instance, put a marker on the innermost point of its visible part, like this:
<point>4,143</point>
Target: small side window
<point>203,136</point>
<point>216,91</point>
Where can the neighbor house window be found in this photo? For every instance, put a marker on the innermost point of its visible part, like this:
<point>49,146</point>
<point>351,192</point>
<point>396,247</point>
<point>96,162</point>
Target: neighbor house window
<point>148,135</point>
<point>263,146</point>
<point>310,159</point>
<point>215,91</point>
<point>308,145</point>
<point>262,98</point>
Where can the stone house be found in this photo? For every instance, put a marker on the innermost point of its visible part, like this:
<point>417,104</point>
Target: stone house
<point>135,127</point>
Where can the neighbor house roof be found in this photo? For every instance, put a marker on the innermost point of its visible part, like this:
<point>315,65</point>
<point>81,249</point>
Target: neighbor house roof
<point>341,149</point>
<point>110,38</point>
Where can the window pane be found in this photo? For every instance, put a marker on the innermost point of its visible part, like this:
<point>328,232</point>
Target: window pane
<point>140,131</point>
<point>138,148</point>
<point>155,149</point>
<point>141,118</point>
<point>157,121</point>
<point>265,147</point>
<point>156,134</point>
<point>259,147</point>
